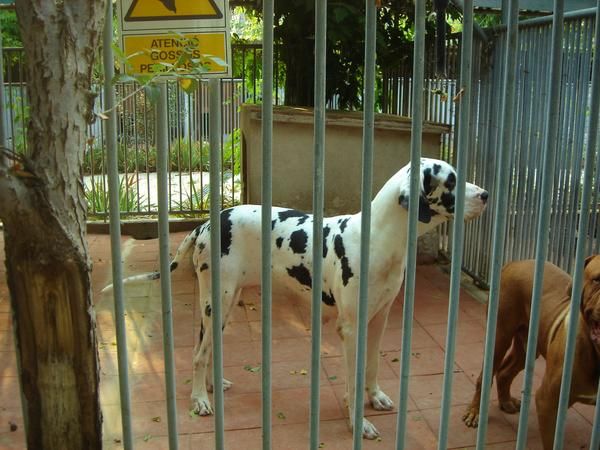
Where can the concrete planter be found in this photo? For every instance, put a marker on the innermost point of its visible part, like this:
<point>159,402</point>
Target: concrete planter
<point>293,156</point>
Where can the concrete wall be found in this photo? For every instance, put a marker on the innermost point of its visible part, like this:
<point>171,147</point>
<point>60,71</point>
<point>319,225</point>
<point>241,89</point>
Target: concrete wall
<point>293,155</point>
<point>293,158</point>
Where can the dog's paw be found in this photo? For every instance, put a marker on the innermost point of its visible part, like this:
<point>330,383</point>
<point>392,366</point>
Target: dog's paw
<point>471,417</point>
<point>201,407</point>
<point>226,385</point>
<point>369,430</point>
<point>380,401</point>
<point>511,406</point>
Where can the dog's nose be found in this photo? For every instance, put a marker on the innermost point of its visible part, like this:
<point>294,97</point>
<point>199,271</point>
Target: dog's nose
<point>484,196</point>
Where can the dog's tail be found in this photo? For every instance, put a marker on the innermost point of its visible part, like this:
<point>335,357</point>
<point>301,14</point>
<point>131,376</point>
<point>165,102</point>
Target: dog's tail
<point>183,249</point>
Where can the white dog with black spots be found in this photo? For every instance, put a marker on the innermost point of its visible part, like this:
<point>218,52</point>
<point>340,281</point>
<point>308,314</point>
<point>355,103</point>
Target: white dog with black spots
<point>292,267</point>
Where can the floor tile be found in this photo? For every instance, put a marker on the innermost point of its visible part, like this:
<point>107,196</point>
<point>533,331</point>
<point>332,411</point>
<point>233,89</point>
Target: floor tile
<point>290,371</point>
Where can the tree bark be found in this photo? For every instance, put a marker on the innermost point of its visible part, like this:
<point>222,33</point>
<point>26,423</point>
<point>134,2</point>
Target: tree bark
<point>299,58</point>
<point>42,206</point>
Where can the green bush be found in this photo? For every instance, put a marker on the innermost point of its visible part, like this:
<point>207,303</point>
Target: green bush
<point>189,156</point>
<point>232,149</point>
<point>98,200</point>
<point>184,156</point>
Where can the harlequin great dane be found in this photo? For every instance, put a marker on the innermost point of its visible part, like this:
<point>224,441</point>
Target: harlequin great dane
<point>292,266</point>
<point>516,287</point>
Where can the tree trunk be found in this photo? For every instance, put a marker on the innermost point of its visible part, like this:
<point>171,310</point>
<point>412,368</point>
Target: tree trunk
<point>42,205</point>
<point>299,58</point>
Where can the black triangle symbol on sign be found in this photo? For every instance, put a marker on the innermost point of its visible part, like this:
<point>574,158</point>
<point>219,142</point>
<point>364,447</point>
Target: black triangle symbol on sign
<point>141,10</point>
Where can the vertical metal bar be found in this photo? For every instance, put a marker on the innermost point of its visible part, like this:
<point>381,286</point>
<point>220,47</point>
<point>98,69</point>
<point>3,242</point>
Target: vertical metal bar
<point>267,200</point>
<point>411,251</point>
<point>22,99</point>
<point>501,211</point>
<point>165,263</point>
<point>3,141</point>
<point>365,219</point>
<point>563,158</point>
<point>214,86</point>
<point>595,440</point>
<point>535,153</point>
<point>579,125</point>
<point>524,143</point>
<point>136,153</point>
<point>12,104</point>
<point>318,203</point>
<point>459,211</point>
<point>574,314</point>
<point>115,228</point>
<point>552,119</point>
<point>517,164</point>
<point>594,244</point>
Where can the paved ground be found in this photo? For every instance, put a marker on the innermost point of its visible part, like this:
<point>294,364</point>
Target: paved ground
<point>291,356</point>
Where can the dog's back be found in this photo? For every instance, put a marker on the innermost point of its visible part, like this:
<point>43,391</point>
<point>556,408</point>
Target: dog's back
<point>516,289</point>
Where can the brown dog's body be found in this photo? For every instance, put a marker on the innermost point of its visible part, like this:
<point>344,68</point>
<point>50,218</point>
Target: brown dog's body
<point>516,286</point>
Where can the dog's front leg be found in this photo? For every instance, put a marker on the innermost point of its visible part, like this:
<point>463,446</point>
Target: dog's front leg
<point>379,400</point>
<point>347,332</point>
<point>546,399</point>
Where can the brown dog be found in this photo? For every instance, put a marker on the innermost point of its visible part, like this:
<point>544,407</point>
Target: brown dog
<point>516,286</point>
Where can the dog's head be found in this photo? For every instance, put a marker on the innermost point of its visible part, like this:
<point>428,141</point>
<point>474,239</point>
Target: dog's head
<point>590,299</point>
<point>437,196</point>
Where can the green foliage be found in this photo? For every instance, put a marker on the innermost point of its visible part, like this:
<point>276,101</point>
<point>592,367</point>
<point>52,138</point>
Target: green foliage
<point>245,27</point>
<point>189,156</point>
<point>21,119</point>
<point>199,200</point>
<point>193,201</point>
<point>232,147</point>
<point>98,200</point>
<point>294,34</point>
<point>488,20</point>
<point>11,35</point>
<point>185,155</point>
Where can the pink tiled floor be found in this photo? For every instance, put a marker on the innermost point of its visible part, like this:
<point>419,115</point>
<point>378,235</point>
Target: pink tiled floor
<point>291,356</point>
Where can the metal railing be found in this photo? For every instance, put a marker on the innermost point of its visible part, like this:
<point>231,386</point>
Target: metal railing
<point>527,148</point>
<point>525,171</point>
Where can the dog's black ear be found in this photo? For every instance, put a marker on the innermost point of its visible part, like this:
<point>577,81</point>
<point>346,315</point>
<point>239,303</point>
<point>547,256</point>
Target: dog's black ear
<point>424,211</point>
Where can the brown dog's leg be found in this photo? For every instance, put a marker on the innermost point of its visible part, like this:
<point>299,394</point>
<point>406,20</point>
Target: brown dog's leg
<point>547,396</point>
<point>546,401</point>
<point>512,364</point>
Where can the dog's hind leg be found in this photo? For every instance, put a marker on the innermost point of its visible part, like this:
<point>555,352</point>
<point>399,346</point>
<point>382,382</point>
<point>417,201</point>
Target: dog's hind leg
<point>512,364</point>
<point>202,353</point>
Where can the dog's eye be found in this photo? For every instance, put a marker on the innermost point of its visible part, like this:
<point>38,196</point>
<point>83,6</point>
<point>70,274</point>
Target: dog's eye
<point>450,182</point>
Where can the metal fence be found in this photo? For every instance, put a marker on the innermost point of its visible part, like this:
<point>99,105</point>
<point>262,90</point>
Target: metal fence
<point>188,136</point>
<point>188,124</point>
<point>528,143</point>
<point>524,132</point>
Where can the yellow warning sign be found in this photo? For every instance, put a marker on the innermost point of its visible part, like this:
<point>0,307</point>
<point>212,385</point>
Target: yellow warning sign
<point>149,51</point>
<point>148,10</point>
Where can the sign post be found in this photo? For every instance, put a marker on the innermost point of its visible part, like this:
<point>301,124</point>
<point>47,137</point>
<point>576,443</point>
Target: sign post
<point>155,33</point>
